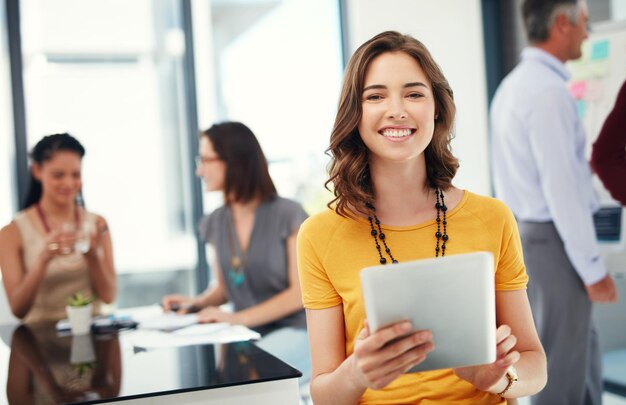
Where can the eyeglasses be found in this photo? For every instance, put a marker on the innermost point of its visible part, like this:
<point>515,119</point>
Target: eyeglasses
<point>204,160</point>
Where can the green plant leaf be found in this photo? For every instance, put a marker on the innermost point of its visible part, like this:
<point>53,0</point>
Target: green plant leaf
<point>79,300</point>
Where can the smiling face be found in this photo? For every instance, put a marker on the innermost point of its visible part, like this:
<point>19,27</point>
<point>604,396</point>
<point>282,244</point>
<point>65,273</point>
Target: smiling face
<point>60,177</point>
<point>398,117</point>
<point>211,168</point>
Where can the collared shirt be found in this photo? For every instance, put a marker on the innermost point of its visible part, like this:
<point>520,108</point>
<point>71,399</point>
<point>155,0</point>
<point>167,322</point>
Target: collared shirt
<point>538,157</point>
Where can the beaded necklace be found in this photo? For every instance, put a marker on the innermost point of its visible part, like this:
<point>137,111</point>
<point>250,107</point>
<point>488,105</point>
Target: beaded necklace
<point>377,232</point>
<point>237,263</point>
<point>44,218</point>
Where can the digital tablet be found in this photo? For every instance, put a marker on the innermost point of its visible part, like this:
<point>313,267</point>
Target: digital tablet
<point>453,296</point>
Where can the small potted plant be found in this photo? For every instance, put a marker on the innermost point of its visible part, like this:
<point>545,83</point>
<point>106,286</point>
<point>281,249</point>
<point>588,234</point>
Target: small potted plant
<point>79,309</point>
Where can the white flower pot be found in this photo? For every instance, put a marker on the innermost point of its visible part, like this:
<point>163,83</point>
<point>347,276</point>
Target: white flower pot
<point>80,319</point>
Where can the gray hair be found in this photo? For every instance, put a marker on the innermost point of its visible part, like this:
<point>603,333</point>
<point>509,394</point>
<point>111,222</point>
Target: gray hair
<point>539,16</point>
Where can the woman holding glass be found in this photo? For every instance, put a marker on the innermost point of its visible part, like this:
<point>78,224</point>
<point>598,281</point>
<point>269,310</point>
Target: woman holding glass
<point>254,237</point>
<point>54,248</point>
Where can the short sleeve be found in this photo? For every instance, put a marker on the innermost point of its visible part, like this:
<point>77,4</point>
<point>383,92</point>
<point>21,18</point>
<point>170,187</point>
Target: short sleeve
<point>294,215</point>
<point>318,291</point>
<point>510,269</point>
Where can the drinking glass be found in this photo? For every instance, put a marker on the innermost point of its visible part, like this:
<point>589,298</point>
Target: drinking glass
<point>75,237</point>
<point>83,236</point>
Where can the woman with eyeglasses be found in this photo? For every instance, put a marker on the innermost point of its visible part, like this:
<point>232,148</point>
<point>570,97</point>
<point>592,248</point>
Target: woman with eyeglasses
<point>253,236</point>
<point>55,248</point>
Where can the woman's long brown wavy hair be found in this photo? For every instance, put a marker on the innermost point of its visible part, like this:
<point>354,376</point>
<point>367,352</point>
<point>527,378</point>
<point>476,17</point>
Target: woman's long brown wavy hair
<point>349,168</point>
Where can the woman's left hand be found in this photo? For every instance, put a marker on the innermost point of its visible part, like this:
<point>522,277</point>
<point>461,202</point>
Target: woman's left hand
<point>485,377</point>
<point>215,314</point>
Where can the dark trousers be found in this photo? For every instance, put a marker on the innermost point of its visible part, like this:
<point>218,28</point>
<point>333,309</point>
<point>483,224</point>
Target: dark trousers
<point>563,317</point>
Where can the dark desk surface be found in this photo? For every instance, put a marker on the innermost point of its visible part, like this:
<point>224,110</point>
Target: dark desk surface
<point>49,369</point>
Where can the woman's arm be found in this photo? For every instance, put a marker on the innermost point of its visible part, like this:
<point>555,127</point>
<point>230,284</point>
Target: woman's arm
<point>518,345</point>
<point>375,363</point>
<point>282,304</point>
<point>214,295</point>
<point>21,286</point>
<point>100,263</point>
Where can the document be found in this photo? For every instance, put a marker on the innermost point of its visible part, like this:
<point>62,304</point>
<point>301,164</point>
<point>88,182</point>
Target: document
<point>168,321</point>
<point>198,334</point>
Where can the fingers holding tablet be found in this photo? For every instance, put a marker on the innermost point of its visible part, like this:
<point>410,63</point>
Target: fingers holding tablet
<point>506,341</point>
<point>381,357</point>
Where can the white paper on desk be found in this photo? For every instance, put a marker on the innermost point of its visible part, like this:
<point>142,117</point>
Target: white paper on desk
<point>195,335</point>
<point>201,329</point>
<point>168,321</point>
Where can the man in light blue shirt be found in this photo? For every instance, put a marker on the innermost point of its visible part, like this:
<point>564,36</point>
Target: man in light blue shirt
<point>540,171</point>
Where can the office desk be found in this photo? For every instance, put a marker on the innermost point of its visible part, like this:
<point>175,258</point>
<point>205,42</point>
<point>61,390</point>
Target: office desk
<point>50,369</point>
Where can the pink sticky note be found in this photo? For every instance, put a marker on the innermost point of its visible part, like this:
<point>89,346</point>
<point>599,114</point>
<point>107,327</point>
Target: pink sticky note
<point>578,89</point>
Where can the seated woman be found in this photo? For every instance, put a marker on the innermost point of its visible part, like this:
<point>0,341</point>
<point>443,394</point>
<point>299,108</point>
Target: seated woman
<point>254,237</point>
<point>391,170</point>
<point>54,248</point>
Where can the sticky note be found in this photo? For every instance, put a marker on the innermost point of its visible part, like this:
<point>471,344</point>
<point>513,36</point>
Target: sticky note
<point>578,89</point>
<point>600,50</point>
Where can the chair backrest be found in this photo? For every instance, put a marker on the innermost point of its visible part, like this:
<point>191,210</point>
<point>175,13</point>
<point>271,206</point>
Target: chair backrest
<point>6,316</point>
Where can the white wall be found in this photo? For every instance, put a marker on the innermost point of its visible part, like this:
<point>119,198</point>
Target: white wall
<point>452,31</point>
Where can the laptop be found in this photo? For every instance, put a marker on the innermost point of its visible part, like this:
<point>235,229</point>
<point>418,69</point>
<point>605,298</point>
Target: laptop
<point>453,296</point>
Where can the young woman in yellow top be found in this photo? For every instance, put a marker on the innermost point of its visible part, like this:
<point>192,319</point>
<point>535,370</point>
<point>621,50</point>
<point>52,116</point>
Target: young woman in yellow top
<point>392,172</point>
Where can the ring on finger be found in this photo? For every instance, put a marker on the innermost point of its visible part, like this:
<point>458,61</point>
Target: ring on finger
<point>53,246</point>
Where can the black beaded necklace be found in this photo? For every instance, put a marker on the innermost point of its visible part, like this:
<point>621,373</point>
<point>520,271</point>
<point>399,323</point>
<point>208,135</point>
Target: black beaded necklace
<point>377,232</point>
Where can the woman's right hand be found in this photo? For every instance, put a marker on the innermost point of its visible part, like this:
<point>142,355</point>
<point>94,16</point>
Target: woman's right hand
<point>380,358</point>
<point>180,304</point>
<point>57,243</point>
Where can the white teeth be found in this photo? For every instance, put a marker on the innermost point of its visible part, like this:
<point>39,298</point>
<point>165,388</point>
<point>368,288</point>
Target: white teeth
<point>396,133</point>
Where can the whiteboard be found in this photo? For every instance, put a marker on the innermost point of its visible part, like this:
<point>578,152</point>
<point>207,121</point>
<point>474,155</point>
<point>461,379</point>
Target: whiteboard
<point>596,78</point>
<point>598,74</point>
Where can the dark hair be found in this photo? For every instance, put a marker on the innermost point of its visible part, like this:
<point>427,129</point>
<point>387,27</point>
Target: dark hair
<point>43,151</point>
<point>539,15</point>
<point>349,168</point>
<point>247,175</point>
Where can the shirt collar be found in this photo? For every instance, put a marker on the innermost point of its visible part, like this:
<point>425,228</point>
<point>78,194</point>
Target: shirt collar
<point>543,57</point>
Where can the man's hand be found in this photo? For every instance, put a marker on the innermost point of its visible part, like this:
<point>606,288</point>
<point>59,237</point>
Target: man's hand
<point>602,291</point>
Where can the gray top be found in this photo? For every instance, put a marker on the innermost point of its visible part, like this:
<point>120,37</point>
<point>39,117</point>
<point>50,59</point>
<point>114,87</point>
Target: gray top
<point>265,267</point>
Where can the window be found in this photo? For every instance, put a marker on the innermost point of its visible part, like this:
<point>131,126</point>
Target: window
<point>7,152</point>
<point>114,80</point>
<point>277,67</point>
<point>607,10</point>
